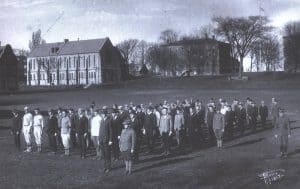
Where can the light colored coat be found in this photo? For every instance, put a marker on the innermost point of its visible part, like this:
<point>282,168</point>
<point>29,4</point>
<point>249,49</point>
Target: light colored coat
<point>165,124</point>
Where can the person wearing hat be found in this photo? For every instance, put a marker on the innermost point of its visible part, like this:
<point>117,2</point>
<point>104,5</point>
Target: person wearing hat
<point>165,128</point>
<point>105,139</point>
<point>16,128</point>
<point>219,126</point>
<point>27,125</point>
<point>52,130</point>
<point>149,128</point>
<point>282,131</point>
<point>241,118</point>
<point>127,145</point>
<point>96,122</point>
<point>81,131</point>
<point>38,125</point>
<point>135,126</point>
<point>116,132</point>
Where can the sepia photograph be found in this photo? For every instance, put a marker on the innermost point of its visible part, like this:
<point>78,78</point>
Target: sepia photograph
<point>150,94</point>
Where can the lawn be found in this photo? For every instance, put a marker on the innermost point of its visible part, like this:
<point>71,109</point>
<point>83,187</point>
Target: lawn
<point>235,166</point>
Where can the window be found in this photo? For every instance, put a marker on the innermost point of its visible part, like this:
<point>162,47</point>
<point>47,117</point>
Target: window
<point>95,75</point>
<point>34,64</point>
<point>94,61</point>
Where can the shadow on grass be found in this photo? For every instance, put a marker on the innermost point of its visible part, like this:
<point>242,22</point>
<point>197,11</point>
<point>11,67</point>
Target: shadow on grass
<point>295,152</point>
<point>246,143</point>
<point>164,163</point>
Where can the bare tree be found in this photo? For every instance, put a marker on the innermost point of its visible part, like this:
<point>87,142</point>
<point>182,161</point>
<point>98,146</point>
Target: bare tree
<point>241,33</point>
<point>292,47</point>
<point>127,49</point>
<point>168,36</point>
<point>36,39</point>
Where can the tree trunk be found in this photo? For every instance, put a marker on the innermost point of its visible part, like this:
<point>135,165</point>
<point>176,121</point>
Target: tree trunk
<point>241,67</point>
<point>251,63</point>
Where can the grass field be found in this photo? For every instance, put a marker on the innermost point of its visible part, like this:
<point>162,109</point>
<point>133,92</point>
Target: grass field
<point>235,166</point>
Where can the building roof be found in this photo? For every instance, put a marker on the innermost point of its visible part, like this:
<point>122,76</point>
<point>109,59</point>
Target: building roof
<point>69,47</point>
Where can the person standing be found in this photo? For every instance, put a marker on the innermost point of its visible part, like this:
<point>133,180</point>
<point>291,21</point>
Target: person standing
<point>149,128</point>
<point>209,122</point>
<point>136,128</point>
<point>16,128</point>
<point>81,132</point>
<point>27,125</point>
<point>241,118</point>
<point>65,132</point>
<point>179,127</point>
<point>229,121</point>
<point>282,132</point>
<point>191,128</point>
<point>127,145</point>
<point>72,117</point>
<point>38,125</point>
<point>263,113</point>
<point>252,116</point>
<point>219,126</point>
<point>52,130</point>
<point>165,128</point>
<point>105,140</point>
<point>274,112</point>
<point>116,132</point>
<point>59,117</point>
<point>95,129</point>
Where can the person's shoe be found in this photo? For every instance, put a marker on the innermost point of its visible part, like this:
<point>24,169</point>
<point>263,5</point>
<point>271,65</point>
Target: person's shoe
<point>126,172</point>
<point>107,171</point>
<point>129,173</point>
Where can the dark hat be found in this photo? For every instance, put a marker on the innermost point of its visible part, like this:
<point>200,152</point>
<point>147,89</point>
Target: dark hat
<point>151,108</point>
<point>36,109</point>
<point>281,110</point>
<point>15,111</point>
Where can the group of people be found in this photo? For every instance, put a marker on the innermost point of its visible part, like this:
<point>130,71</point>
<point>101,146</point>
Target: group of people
<point>120,131</point>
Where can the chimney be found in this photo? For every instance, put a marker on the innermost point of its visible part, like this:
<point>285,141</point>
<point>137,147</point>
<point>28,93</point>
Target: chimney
<point>78,39</point>
<point>214,37</point>
<point>66,40</point>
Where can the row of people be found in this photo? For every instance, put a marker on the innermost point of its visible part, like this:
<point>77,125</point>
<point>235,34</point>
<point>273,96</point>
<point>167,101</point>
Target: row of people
<point>103,128</point>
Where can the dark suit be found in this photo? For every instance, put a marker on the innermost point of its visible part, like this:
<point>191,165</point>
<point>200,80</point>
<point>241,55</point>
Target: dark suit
<point>263,113</point>
<point>73,129</point>
<point>51,130</point>
<point>116,130</point>
<point>81,125</point>
<point>192,132</point>
<point>229,119</point>
<point>150,126</point>
<point>253,113</point>
<point>105,136</point>
<point>241,118</point>
<point>16,128</point>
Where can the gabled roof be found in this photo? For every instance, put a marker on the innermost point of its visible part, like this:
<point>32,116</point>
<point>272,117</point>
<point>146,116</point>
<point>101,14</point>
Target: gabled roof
<point>69,47</point>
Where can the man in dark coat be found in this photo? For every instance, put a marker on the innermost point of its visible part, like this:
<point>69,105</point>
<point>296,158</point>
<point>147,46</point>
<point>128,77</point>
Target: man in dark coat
<point>229,120</point>
<point>72,117</point>
<point>252,116</point>
<point>81,131</point>
<point>16,128</point>
<point>263,113</point>
<point>105,140</point>
<point>209,121</point>
<point>149,128</point>
<point>200,114</point>
<point>52,130</point>
<point>191,128</point>
<point>241,118</point>
<point>116,133</point>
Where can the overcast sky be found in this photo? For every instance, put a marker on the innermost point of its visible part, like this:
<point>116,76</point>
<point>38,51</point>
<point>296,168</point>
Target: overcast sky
<point>124,19</point>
